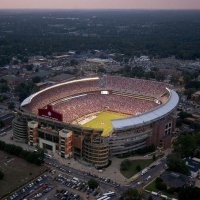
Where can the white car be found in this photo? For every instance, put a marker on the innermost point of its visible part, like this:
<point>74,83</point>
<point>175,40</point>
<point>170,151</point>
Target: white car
<point>148,178</point>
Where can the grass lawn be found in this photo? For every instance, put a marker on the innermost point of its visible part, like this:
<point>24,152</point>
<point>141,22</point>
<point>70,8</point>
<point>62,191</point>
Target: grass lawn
<point>103,121</point>
<point>131,169</point>
<point>17,172</point>
<point>152,187</point>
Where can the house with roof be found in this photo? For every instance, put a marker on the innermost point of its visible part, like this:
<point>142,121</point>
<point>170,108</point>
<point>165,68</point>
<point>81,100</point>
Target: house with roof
<point>193,165</point>
<point>175,180</point>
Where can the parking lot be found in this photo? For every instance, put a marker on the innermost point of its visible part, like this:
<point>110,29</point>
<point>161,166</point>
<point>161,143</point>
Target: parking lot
<point>106,184</point>
<point>17,172</point>
<point>36,189</point>
<point>55,185</point>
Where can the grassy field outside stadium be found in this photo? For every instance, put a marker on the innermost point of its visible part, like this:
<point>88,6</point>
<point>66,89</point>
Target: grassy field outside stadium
<point>17,172</point>
<point>131,168</point>
<point>152,187</point>
<point>103,121</point>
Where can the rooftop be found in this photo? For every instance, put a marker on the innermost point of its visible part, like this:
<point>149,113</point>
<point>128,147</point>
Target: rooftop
<point>175,180</point>
<point>193,164</point>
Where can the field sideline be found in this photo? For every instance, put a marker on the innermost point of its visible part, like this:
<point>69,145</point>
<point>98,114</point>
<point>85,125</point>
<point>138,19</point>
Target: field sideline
<point>103,121</point>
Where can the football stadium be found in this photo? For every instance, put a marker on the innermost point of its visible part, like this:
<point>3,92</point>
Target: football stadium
<point>93,119</point>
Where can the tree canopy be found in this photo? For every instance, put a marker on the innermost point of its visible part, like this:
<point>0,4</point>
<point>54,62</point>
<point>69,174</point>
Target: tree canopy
<point>176,164</point>
<point>189,193</point>
<point>1,175</point>
<point>131,194</point>
<point>186,144</point>
<point>36,157</point>
<point>92,183</point>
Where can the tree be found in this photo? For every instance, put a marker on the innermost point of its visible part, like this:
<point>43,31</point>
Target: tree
<point>32,157</point>
<point>185,145</point>
<point>1,175</point>
<point>92,183</point>
<point>101,70</point>
<point>36,79</point>
<point>150,198</point>
<point>160,185</point>
<point>29,67</point>
<point>73,62</point>
<point>131,194</point>
<point>193,84</point>
<point>11,105</point>
<point>138,168</point>
<point>24,89</point>
<point>125,165</point>
<point>189,92</point>
<point>160,76</point>
<point>176,164</point>
<point>154,157</point>
<point>1,124</point>
<point>174,79</point>
<point>3,98</point>
<point>184,115</point>
<point>189,193</point>
<point>4,86</point>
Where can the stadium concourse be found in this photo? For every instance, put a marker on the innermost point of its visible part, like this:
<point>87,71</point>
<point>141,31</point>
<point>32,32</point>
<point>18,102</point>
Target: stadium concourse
<point>65,118</point>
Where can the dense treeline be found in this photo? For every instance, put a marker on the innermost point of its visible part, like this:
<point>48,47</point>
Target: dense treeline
<point>186,145</point>
<point>139,72</point>
<point>32,157</point>
<point>23,90</point>
<point>4,86</point>
<point>176,164</point>
<point>189,193</point>
<point>193,84</point>
<point>154,33</point>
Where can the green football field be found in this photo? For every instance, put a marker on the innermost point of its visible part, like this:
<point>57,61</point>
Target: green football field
<point>103,121</point>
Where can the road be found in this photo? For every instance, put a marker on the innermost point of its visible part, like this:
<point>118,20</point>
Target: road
<point>153,172</point>
<point>105,184</point>
<point>108,185</point>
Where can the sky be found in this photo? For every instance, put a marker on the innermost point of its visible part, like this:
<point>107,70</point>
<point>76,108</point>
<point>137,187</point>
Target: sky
<point>101,4</point>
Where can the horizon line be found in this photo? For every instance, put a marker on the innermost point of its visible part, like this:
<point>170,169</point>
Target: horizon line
<point>144,9</point>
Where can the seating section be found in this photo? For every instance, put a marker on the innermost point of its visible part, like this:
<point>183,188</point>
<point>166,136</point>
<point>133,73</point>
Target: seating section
<point>130,96</point>
<point>54,94</point>
<point>75,108</point>
<point>135,86</point>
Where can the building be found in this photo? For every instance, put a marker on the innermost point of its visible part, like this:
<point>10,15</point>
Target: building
<point>175,180</point>
<point>50,118</point>
<point>193,165</point>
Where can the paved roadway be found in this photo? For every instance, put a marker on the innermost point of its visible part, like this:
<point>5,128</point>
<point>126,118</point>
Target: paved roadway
<point>108,185</point>
<point>154,171</point>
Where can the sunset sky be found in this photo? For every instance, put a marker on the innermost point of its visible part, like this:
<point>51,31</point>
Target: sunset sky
<point>99,4</point>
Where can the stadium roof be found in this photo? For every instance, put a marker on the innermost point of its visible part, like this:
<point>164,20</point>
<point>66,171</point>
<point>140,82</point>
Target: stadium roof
<point>148,117</point>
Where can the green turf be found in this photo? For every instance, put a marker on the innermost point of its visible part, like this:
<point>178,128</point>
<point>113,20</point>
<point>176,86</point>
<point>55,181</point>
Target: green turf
<point>131,169</point>
<point>152,187</point>
<point>103,121</point>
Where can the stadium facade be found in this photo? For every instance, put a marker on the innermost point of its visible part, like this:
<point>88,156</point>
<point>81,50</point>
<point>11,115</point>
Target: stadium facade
<point>50,118</point>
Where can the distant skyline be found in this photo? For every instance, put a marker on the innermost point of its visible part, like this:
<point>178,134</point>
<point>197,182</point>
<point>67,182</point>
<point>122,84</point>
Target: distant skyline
<point>100,4</point>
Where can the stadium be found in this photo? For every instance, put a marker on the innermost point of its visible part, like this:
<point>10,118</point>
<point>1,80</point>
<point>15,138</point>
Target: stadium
<point>93,119</point>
